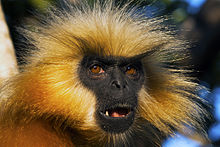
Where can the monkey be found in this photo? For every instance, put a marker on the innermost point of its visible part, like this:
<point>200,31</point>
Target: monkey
<point>99,75</point>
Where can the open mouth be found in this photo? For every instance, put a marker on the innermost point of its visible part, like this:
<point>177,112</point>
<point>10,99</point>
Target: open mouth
<point>118,112</point>
<point>117,118</point>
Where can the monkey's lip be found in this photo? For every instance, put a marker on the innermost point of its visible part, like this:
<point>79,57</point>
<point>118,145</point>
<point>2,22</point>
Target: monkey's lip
<point>118,112</point>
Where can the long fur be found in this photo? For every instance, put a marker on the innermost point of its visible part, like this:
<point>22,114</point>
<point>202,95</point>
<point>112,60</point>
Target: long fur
<point>46,104</point>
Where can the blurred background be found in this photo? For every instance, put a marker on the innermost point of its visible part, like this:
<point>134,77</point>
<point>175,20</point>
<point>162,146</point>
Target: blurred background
<point>197,20</point>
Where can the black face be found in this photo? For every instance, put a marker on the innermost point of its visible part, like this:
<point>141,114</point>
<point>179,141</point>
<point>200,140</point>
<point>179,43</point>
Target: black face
<point>116,82</point>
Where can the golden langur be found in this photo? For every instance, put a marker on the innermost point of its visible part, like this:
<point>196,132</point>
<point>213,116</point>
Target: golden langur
<point>98,76</point>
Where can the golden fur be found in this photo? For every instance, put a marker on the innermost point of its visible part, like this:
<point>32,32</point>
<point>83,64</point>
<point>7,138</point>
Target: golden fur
<point>47,97</point>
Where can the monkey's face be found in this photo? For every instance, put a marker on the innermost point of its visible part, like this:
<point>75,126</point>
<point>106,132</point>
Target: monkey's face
<point>116,82</point>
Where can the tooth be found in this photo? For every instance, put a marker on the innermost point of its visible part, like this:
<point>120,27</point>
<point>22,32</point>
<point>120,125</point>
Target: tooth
<point>106,113</point>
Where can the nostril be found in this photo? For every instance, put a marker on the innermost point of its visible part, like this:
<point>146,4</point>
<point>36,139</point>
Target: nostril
<point>116,84</point>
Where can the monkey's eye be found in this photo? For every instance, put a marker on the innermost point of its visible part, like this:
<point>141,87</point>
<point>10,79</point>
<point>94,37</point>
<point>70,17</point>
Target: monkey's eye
<point>131,71</point>
<point>96,69</point>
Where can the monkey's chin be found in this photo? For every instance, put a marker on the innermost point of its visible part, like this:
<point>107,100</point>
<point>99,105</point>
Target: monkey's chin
<point>116,119</point>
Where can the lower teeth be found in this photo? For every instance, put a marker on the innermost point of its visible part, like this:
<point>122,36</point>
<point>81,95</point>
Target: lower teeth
<point>106,113</point>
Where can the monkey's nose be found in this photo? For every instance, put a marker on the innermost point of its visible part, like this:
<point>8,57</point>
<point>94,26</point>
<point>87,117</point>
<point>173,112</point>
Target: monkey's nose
<point>118,85</point>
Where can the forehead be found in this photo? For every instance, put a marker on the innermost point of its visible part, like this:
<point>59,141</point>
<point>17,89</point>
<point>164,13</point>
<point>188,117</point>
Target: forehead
<point>110,60</point>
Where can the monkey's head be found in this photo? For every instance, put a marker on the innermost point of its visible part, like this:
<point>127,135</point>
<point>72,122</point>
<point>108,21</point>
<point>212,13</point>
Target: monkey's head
<point>116,82</point>
<point>109,75</point>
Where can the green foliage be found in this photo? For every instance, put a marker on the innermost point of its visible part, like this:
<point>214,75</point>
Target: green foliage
<point>41,5</point>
